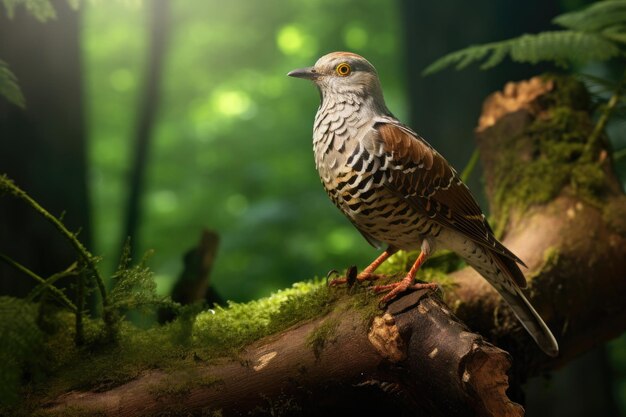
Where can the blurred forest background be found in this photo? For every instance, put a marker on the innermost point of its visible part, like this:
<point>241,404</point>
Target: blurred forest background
<point>159,118</point>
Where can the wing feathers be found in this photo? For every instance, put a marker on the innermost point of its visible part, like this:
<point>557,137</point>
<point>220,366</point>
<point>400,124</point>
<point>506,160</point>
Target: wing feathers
<point>428,182</point>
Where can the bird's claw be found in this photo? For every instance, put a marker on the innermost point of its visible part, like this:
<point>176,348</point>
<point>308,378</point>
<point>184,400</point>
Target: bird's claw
<point>397,288</point>
<point>350,278</point>
<point>330,274</point>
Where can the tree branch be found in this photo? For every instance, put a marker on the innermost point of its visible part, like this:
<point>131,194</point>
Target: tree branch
<point>416,357</point>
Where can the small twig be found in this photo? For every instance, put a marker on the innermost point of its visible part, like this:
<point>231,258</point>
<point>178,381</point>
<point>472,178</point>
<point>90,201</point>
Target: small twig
<point>87,257</point>
<point>471,164</point>
<point>619,154</point>
<point>57,292</point>
<point>604,118</point>
<point>49,282</point>
<point>80,308</point>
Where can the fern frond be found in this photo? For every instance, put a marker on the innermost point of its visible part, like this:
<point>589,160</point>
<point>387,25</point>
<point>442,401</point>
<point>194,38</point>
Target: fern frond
<point>42,10</point>
<point>594,18</point>
<point>597,85</point>
<point>474,53</point>
<point>559,47</point>
<point>9,87</point>
<point>134,288</point>
<point>615,33</point>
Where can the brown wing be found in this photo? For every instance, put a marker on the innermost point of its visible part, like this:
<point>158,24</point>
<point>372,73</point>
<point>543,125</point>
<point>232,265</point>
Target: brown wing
<point>429,183</point>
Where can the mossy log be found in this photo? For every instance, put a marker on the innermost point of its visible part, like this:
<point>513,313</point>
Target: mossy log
<point>333,365</point>
<point>557,205</point>
<point>564,214</point>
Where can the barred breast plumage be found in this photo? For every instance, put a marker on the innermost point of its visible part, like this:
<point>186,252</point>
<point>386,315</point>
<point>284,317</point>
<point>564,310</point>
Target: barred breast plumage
<point>397,190</point>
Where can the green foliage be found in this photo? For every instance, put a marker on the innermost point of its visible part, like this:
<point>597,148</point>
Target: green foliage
<point>559,141</point>
<point>597,33</point>
<point>232,144</point>
<point>597,17</point>
<point>319,338</point>
<point>20,346</point>
<point>42,10</point>
<point>174,347</point>
<point>231,327</point>
<point>134,287</point>
<point>559,47</point>
<point>88,262</point>
<point>9,87</point>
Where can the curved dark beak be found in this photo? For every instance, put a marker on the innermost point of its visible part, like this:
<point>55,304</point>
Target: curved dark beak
<point>308,73</point>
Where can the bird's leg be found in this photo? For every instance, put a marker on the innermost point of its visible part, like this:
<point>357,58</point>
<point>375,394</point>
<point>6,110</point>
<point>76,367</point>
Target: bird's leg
<point>407,282</point>
<point>368,273</point>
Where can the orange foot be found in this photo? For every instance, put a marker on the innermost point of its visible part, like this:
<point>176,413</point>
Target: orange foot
<point>351,277</point>
<point>367,274</point>
<point>399,287</point>
<point>408,281</point>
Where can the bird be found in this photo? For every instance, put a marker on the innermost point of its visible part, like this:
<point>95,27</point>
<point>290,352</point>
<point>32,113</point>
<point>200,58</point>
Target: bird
<point>398,191</point>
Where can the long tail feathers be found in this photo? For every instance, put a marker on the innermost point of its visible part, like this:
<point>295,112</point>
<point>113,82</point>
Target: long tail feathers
<point>531,321</point>
<point>522,308</point>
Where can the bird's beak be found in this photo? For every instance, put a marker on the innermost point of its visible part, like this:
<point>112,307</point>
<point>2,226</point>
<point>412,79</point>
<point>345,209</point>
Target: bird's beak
<point>308,73</point>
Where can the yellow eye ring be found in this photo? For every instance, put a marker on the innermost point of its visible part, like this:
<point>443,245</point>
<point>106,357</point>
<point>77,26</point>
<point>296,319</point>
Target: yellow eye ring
<point>343,69</point>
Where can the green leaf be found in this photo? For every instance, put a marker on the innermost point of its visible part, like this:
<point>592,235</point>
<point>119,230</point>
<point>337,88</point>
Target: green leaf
<point>42,10</point>
<point>597,83</point>
<point>74,4</point>
<point>9,87</point>
<point>559,47</point>
<point>594,18</point>
<point>464,57</point>
<point>615,33</point>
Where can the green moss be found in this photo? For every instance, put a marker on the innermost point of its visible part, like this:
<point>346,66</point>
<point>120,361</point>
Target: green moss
<point>323,333</point>
<point>176,348</point>
<point>238,324</point>
<point>551,258</point>
<point>569,93</point>
<point>215,333</point>
<point>614,216</point>
<point>366,303</point>
<point>554,147</point>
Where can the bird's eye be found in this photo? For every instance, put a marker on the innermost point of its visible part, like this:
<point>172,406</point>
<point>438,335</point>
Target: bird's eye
<point>343,69</point>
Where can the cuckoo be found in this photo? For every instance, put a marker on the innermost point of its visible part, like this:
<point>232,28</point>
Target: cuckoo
<point>399,191</point>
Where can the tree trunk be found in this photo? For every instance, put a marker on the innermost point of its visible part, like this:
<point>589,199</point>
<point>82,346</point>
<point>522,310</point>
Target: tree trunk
<point>43,147</point>
<point>416,357</point>
<point>148,108</point>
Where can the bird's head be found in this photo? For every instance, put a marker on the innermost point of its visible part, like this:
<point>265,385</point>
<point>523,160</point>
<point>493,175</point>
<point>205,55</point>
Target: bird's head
<point>343,73</point>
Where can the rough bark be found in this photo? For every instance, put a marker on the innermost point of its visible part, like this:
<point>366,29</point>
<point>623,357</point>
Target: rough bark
<point>416,357</point>
<point>42,147</point>
<point>574,248</point>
